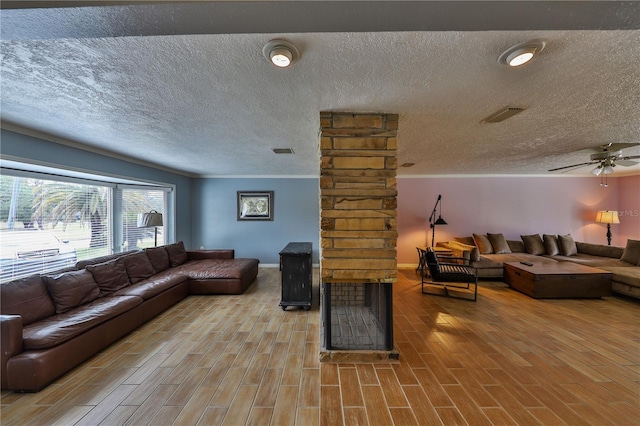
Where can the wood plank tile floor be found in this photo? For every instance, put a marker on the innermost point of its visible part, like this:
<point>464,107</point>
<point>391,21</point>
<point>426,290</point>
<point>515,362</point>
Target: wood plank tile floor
<point>506,359</point>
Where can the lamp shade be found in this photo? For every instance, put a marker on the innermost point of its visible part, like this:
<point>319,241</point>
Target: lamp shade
<point>440,221</point>
<point>148,220</point>
<point>606,216</point>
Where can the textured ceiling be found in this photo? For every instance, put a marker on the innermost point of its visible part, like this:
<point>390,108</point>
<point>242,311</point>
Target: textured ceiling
<point>206,103</point>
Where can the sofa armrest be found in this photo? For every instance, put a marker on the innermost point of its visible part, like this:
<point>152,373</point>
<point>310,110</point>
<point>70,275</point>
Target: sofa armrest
<point>10,342</point>
<point>211,254</point>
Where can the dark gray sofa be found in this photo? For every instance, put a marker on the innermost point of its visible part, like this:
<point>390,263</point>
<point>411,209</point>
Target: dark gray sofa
<point>626,275</point>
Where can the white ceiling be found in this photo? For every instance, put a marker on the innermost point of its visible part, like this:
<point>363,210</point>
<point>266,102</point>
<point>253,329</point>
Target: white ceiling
<point>186,88</point>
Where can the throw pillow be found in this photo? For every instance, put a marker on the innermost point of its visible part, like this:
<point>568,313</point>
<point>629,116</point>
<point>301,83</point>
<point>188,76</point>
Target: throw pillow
<point>465,240</point>
<point>631,252</point>
<point>516,246</point>
<point>138,266</point>
<point>159,258</point>
<point>483,244</point>
<point>177,254</point>
<point>28,298</point>
<point>567,245</point>
<point>533,244</point>
<point>72,289</point>
<point>499,243</point>
<point>110,276</point>
<point>551,246</point>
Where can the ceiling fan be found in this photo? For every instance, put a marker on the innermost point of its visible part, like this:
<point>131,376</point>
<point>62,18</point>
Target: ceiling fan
<point>605,158</point>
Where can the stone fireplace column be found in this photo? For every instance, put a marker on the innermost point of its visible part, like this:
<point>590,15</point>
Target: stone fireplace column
<point>358,229</point>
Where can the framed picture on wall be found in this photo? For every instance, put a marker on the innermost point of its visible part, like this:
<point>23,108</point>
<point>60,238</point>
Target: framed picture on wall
<point>255,205</point>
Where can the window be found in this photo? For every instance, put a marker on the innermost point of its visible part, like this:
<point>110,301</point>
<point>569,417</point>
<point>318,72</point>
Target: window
<point>50,223</point>
<point>134,202</point>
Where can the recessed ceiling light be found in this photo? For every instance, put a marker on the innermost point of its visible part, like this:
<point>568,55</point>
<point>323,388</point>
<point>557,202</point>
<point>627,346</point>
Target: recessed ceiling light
<point>522,53</point>
<point>280,53</point>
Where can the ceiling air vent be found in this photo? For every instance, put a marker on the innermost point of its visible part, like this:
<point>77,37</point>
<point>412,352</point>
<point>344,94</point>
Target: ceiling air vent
<point>503,114</point>
<point>282,150</point>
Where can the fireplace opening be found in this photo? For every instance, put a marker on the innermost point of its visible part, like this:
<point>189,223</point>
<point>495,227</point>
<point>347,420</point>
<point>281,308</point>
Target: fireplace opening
<point>357,316</point>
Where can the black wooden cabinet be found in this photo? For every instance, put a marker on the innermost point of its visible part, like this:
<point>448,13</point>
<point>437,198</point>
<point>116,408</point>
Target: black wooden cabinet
<point>296,266</point>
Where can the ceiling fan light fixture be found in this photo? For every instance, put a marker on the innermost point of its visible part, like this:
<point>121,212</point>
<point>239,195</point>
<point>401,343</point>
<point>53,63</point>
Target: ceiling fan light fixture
<point>522,53</point>
<point>608,169</point>
<point>597,170</point>
<point>281,53</point>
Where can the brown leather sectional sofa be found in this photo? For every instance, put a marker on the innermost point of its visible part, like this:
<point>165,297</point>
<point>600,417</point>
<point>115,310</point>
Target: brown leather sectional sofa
<point>50,324</point>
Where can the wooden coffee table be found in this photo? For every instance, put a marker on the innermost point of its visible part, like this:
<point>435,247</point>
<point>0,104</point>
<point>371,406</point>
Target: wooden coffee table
<point>557,280</point>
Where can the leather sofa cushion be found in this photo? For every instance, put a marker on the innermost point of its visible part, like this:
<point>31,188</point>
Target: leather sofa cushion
<point>159,258</point>
<point>177,254</point>
<point>631,252</point>
<point>217,268</point>
<point>28,298</point>
<point>110,276</point>
<point>138,266</point>
<point>82,264</point>
<point>483,244</point>
<point>58,329</point>
<point>499,243</point>
<point>533,244</point>
<point>153,286</point>
<point>72,289</point>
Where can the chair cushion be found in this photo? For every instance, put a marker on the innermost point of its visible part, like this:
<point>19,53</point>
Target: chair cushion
<point>483,244</point>
<point>567,245</point>
<point>533,244</point>
<point>455,273</point>
<point>499,243</point>
<point>432,262</point>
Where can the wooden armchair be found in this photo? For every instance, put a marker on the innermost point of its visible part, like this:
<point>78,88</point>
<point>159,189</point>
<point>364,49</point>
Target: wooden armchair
<point>450,279</point>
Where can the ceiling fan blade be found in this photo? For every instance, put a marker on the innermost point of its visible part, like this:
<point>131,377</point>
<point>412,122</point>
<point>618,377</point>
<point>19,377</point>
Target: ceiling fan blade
<point>570,167</point>
<point>629,157</point>
<point>626,163</point>
<point>618,146</point>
